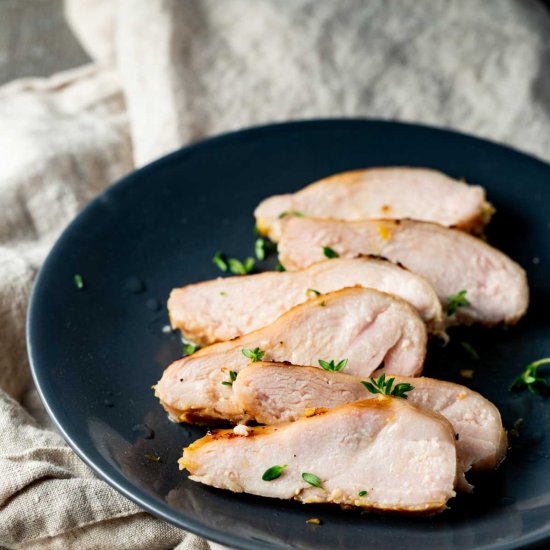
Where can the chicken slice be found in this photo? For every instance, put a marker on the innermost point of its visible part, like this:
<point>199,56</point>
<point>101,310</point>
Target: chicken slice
<point>222,309</point>
<point>391,193</point>
<point>452,261</point>
<point>379,454</point>
<point>272,393</point>
<point>369,328</point>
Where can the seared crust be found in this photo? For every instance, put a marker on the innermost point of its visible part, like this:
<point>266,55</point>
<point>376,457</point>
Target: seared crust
<point>274,393</point>
<point>387,192</point>
<point>450,260</point>
<point>355,436</point>
<point>365,326</point>
<point>224,308</point>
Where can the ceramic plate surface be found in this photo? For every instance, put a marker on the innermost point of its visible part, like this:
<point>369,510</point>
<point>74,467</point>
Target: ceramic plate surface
<point>96,351</point>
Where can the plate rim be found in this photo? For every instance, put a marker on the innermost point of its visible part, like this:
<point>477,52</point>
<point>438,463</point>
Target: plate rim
<point>126,487</point>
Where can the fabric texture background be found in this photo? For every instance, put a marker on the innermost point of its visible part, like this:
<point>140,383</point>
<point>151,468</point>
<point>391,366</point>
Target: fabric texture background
<point>167,72</point>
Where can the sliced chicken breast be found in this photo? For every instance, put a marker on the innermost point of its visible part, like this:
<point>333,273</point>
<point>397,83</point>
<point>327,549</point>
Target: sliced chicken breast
<point>370,329</point>
<point>452,261</point>
<point>391,193</point>
<point>380,454</point>
<point>272,393</point>
<point>224,308</point>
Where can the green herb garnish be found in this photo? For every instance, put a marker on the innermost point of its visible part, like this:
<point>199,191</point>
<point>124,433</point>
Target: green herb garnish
<point>312,480</point>
<point>332,366</point>
<point>514,430</point>
<point>454,301</point>
<point>529,379</point>
<point>312,291</point>
<point>254,355</point>
<point>152,458</point>
<point>241,268</point>
<point>291,213</point>
<point>189,349</point>
<point>78,281</point>
<point>280,267</point>
<point>219,260</point>
<point>232,378</point>
<point>362,493</point>
<point>235,266</point>
<point>223,293</point>
<point>264,247</point>
<point>273,473</point>
<point>384,386</point>
<point>329,252</point>
<point>470,350</point>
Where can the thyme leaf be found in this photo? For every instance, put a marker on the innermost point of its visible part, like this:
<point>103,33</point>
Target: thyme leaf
<point>312,479</point>
<point>78,281</point>
<point>273,473</point>
<point>263,248</point>
<point>219,260</point>
<point>329,252</point>
<point>189,349</point>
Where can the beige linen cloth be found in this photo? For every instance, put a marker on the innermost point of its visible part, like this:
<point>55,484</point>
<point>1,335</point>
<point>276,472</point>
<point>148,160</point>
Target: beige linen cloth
<point>167,72</point>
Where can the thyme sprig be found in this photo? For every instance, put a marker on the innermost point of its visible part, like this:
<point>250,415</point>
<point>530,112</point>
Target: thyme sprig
<point>386,387</point>
<point>529,380</point>
<point>455,301</point>
<point>332,366</point>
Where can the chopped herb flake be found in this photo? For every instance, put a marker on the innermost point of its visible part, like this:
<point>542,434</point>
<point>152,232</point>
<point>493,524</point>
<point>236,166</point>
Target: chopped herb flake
<point>529,380</point>
<point>189,349</point>
<point>454,301</point>
<point>78,281</point>
<point>254,355</point>
<point>291,213</point>
<point>384,386</point>
<point>514,430</point>
<point>264,247</point>
<point>223,293</point>
<point>219,260</point>
<point>362,493</point>
<point>152,458</point>
<point>332,366</point>
<point>280,267</point>
<point>312,291</point>
<point>241,268</point>
<point>329,252</point>
<point>232,378</point>
<point>312,480</point>
<point>322,304</point>
<point>470,350</point>
<point>273,473</point>
<point>232,264</point>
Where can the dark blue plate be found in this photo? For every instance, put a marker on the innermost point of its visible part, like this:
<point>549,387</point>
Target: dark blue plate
<point>96,351</point>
